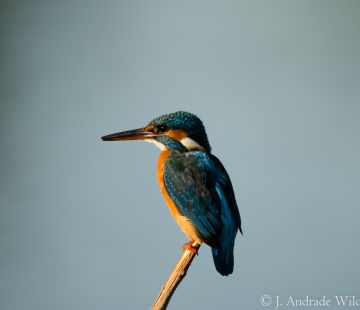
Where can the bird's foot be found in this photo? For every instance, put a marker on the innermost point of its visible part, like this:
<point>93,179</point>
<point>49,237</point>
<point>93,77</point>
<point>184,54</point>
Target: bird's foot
<point>191,247</point>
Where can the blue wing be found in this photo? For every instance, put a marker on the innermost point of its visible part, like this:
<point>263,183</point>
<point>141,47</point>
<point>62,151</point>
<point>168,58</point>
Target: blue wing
<point>200,187</point>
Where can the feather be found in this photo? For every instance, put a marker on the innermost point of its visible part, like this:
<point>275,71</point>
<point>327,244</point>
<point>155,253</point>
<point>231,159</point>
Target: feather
<point>201,189</point>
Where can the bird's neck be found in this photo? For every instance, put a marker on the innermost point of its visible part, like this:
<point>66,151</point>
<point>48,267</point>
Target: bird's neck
<point>169,144</point>
<point>185,145</point>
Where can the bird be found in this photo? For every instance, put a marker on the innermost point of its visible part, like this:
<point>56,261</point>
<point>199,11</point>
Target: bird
<point>194,183</point>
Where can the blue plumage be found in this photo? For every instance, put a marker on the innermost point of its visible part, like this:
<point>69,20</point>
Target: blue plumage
<point>201,189</point>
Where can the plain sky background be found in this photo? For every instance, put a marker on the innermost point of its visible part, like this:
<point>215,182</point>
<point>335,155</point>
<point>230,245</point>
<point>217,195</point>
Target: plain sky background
<point>277,83</point>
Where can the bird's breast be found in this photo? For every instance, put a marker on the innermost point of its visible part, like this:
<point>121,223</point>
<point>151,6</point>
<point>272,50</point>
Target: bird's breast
<point>185,224</point>
<point>160,173</point>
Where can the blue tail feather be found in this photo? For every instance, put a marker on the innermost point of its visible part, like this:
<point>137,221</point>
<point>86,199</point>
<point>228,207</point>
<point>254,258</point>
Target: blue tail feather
<point>224,260</point>
<point>223,255</point>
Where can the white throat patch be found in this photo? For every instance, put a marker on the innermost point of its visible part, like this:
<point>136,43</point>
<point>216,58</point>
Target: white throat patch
<point>190,144</point>
<point>161,146</point>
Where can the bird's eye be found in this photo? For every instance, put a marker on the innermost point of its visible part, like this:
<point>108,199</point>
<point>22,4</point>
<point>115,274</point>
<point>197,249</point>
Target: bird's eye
<point>161,128</point>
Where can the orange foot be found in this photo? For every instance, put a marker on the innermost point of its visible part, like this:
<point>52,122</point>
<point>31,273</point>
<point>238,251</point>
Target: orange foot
<point>189,246</point>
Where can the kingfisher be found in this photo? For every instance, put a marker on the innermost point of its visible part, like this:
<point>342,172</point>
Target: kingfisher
<point>194,183</point>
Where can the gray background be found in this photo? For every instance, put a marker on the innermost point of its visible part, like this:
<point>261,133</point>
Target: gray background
<point>82,222</point>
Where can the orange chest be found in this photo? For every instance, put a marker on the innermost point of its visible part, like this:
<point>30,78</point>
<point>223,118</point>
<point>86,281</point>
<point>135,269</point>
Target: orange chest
<point>160,174</point>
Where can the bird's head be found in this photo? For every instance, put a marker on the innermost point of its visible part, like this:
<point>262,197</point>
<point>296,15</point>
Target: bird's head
<point>180,130</point>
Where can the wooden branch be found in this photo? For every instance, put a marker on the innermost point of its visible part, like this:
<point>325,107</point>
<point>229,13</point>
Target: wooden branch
<point>178,273</point>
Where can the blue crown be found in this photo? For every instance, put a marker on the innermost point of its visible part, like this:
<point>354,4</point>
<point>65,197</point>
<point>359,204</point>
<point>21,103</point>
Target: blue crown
<point>186,121</point>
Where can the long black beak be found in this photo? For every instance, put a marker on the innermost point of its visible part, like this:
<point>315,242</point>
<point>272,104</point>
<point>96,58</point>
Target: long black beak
<point>136,134</point>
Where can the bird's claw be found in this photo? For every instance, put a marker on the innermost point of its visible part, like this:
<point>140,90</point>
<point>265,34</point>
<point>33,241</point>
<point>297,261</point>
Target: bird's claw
<point>191,247</point>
